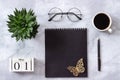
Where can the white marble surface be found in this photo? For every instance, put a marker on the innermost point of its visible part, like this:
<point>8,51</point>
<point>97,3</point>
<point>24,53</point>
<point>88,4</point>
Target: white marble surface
<point>110,43</point>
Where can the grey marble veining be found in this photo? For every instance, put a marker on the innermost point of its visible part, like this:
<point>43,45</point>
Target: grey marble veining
<point>110,43</point>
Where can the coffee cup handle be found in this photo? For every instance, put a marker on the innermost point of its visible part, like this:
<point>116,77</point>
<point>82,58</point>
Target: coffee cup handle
<point>110,30</point>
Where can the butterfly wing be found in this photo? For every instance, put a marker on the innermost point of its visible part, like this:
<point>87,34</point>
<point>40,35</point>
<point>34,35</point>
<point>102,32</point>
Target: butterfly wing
<point>80,66</point>
<point>80,63</point>
<point>73,70</point>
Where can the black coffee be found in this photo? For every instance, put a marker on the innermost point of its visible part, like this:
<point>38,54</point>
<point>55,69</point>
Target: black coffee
<point>101,21</point>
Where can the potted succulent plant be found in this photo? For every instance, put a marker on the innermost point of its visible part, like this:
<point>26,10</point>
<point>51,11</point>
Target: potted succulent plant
<point>22,24</point>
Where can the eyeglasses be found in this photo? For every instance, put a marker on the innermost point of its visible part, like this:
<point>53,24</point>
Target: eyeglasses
<point>56,14</point>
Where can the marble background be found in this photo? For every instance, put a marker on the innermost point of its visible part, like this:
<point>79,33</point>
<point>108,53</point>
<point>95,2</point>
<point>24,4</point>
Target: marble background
<point>110,43</point>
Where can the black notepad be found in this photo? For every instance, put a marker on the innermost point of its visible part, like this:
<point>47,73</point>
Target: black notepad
<point>63,48</point>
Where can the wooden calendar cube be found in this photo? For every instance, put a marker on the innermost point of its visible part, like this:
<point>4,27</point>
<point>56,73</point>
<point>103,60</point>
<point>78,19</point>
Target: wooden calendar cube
<point>22,64</point>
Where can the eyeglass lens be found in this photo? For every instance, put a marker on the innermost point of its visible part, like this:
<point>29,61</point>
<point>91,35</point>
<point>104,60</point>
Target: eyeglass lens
<point>53,12</point>
<point>76,16</point>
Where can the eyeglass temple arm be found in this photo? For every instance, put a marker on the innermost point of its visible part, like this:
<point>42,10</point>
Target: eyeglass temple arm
<point>76,15</point>
<point>53,16</point>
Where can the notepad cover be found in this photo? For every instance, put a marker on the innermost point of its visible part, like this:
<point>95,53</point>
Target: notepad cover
<point>63,48</point>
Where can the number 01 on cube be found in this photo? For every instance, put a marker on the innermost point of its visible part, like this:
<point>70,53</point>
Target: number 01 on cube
<point>22,64</point>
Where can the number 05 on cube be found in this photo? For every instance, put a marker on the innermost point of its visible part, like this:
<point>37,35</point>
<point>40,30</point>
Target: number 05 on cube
<point>22,64</point>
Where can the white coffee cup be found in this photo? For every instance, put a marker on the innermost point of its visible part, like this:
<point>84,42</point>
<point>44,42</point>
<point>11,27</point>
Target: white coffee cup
<point>102,22</point>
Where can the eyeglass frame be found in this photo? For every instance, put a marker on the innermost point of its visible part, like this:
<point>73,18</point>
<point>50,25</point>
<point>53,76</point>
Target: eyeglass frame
<point>65,13</point>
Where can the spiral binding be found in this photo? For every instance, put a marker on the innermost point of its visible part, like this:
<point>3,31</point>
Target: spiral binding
<point>60,29</point>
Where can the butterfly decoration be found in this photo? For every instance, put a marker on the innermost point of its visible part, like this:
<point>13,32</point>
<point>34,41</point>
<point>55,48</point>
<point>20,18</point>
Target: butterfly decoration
<point>79,68</point>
